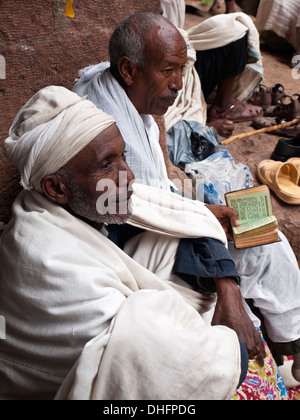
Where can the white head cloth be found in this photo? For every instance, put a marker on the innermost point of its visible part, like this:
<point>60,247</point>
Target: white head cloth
<point>51,129</point>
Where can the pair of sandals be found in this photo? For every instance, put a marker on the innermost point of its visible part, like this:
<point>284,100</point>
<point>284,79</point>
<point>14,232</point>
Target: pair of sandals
<point>238,112</point>
<point>283,178</point>
<point>277,108</point>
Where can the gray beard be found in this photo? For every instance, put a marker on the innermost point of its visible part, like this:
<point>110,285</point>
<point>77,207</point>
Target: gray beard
<point>81,207</point>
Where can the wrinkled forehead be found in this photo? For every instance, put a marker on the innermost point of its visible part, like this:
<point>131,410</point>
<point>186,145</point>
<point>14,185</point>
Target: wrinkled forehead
<point>165,41</point>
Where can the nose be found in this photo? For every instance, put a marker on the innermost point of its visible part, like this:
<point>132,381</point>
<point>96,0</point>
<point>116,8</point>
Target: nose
<point>176,82</point>
<point>126,176</point>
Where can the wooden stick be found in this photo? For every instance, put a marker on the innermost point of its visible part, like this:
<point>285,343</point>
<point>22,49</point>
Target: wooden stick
<point>262,130</point>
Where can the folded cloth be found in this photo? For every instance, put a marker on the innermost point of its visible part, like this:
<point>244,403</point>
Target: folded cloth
<point>286,149</point>
<point>170,214</point>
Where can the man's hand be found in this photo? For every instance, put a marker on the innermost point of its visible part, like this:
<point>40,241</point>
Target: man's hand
<point>230,312</point>
<point>223,127</point>
<point>226,216</point>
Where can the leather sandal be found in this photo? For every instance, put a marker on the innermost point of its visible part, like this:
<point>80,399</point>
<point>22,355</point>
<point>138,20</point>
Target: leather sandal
<point>267,96</point>
<point>239,112</point>
<point>285,111</point>
<point>265,122</point>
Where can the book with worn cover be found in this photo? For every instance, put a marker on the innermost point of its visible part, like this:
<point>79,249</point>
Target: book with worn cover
<point>258,225</point>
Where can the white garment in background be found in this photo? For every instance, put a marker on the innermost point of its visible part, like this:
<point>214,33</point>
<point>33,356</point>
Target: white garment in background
<point>215,32</point>
<point>281,17</point>
<point>174,11</point>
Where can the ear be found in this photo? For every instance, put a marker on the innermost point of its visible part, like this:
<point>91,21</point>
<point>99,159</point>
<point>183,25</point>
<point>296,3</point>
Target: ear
<point>54,189</point>
<point>127,70</point>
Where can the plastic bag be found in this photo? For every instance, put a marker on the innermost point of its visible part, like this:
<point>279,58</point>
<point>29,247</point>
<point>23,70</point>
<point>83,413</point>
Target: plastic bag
<point>217,175</point>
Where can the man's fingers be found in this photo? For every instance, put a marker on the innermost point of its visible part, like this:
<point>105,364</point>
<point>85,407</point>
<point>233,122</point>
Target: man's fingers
<point>258,352</point>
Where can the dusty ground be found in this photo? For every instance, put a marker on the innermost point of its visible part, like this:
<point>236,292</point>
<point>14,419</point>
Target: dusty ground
<point>253,150</point>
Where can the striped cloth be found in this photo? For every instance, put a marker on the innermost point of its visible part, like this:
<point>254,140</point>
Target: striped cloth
<point>283,18</point>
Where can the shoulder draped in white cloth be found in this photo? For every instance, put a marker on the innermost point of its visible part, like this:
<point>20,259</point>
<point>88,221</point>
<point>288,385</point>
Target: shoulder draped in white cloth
<point>133,335</point>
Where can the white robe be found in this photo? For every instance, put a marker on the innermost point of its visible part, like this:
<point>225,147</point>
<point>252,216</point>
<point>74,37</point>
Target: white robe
<point>70,297</point>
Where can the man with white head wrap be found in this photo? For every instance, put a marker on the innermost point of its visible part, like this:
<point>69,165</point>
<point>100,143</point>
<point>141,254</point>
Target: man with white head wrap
<point>70,297</point>
<point>33,144</point>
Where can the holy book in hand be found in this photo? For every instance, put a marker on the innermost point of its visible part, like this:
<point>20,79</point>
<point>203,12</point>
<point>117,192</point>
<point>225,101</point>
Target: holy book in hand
<point>258,225</point>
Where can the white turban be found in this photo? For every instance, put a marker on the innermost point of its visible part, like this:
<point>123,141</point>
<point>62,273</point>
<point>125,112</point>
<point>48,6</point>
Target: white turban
<point>51,129</point>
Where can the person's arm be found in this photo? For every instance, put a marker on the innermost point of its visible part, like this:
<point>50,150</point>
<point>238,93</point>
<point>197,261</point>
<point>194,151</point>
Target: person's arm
<point>230,311</point>
<point>206,265</point>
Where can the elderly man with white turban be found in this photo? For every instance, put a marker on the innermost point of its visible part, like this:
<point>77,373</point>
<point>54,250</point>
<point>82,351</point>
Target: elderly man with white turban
<point>83,319</point>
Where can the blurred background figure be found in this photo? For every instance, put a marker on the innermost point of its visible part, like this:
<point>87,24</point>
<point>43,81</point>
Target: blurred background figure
<point>213,6</point>
<point>217,4</point>
<point>174,11</point>
<point>278,23</point>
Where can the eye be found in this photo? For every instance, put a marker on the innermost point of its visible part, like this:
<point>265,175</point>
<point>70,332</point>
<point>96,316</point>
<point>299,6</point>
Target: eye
<point>106,165</point>
<point>167,72</point>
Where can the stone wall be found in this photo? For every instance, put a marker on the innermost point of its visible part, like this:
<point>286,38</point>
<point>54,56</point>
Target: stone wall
<point>39,46</point>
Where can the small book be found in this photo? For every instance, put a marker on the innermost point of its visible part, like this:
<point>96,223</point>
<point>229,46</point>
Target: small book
<point>258,225</point>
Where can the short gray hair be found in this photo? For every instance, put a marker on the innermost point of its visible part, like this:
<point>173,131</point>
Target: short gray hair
<point>130,36</point>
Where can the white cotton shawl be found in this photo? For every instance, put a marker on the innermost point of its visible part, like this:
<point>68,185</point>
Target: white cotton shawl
<point>170,214</point>
<point>174,11</point>
<point>221,30</point>
<point>51,129</point>
<point>143,152</point>
<point>71,297</point>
